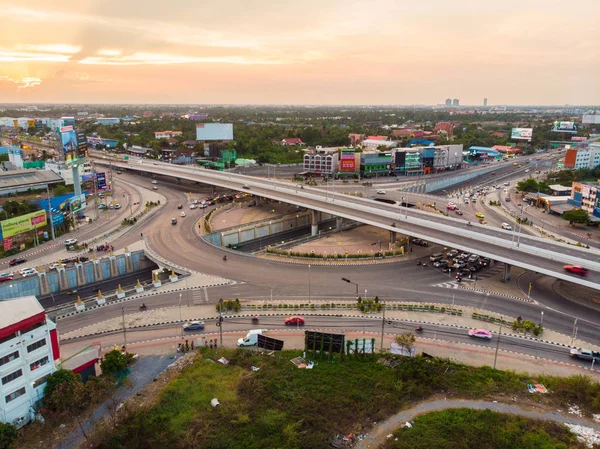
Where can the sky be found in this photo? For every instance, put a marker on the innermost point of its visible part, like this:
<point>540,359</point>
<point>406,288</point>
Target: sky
<point>300,52</point>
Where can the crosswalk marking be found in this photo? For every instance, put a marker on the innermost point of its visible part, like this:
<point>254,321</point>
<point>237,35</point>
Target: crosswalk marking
<point>198,297</point>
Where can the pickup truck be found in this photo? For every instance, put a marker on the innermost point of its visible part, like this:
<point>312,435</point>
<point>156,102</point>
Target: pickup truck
<point>585,354</point>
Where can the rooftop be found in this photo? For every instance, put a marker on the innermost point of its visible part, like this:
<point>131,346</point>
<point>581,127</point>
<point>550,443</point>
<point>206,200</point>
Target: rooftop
<point>14,179</point>
<point>18,313</point>
<point>559,188</point>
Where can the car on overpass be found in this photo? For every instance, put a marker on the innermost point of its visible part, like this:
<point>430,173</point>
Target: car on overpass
<point>4,277</point>
<point>576,269</point>
<point>295,320</point>
<point>14,262</point>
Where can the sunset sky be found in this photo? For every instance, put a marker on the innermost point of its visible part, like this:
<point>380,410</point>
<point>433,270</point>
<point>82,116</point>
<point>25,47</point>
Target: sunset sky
<point>300,52</point>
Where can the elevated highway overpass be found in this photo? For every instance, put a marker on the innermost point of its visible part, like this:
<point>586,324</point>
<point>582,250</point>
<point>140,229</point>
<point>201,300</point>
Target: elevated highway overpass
<point>529,252</point>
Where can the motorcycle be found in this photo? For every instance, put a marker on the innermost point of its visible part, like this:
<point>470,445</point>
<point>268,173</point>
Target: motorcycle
<point>143,307</point>
<point>419,329</point>
<point>419,263</point>
<point>254,320</point>
<point>225,258</point>
<point>71,292</point>
<point>469,223</point>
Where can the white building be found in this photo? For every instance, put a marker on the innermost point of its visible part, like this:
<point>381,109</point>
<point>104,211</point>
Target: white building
<point>65,172</point>
<point>167,134</point>
<point>372,144</point>
<point>321,161</point>
<point>28,349</point>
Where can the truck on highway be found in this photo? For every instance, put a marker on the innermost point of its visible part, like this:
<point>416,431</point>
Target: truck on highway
<point>585,354</point>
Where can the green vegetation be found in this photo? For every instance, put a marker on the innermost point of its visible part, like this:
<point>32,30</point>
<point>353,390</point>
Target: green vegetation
<point>281,406</point>
<point>576,216</point>
<point>8,435</point>
<point>230,305</point>
<point>466,428</point>
<point>531,185</point>
<point>17,208</point>
<point>115,362</point>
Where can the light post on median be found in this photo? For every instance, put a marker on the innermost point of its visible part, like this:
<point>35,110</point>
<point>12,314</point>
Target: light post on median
<point>382,327</point>
<point>180,319</point>
<point>574,334</point>
<point>542,319</point>
<point>498,342</point>
<point>350,282</point>
<point>309,293</point>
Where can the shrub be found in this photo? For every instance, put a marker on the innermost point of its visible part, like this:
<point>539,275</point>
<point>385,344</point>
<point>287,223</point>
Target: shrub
<point>8,435</point>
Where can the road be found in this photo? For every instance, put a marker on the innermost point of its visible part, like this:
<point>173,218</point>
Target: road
<point>531,253</point>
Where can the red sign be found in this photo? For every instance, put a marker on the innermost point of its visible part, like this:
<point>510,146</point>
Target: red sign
<point>8,243</point>
<point>348,162</point>
<point>37,220</point>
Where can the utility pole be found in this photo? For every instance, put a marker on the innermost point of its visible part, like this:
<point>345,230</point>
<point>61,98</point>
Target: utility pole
<point>50,211</point>
<point>382,327</point>
<point>309,293</point>
<point>574,334</point>
<point>221,321</point>
<point>124,328</point>
<point>498,343</point>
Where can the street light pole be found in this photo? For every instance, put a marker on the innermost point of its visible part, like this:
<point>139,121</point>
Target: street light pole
<point>382,327</point>
<point>221,321</point>
<point>542,320</point>
<point>498,343</point>
<point>309,293</point>
<point>124,328</point>
<point>180,319</point>
<point>574,333</point>
<point>350,282</point>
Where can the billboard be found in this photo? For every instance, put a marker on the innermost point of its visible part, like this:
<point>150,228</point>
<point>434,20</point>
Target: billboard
<point>214,131</point>
<point>348,161</point>
<point>521,133</point>
<point>24,223</point>
<point>77,203</point>
<point>564,127</point>
<point>101,181</point>
<point>81,142</point>
<point>68,139</point>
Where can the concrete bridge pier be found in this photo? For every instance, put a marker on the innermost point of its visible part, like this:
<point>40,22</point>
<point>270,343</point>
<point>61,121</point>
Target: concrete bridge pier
<point>315,218</point>
<point>257,201</point>
<point>506,276</point>
<point>392,238</point>
<point>339,221</point>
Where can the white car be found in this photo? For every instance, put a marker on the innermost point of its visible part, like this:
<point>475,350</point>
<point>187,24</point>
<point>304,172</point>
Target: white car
<point>381,192</point>
<point>506,226</point>
<point>193,206</point>
<point>27,272</point>
<point>182,214</point>
<point>527,171</point>
<point>70,242</point>
<point>154,181</point>
<point>53,266</point>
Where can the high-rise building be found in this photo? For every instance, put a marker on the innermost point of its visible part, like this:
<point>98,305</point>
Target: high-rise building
<point>448,101</point>
<point>485,101</point>
<point>455,102</point>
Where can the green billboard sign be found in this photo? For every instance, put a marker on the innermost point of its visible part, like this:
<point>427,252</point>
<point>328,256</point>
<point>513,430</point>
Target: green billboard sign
<point>24,223</point>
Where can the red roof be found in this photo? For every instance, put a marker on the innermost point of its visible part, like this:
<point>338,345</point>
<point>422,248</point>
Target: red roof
<point>447,127</point>
<point>377,138</point>
<point>293,141</point>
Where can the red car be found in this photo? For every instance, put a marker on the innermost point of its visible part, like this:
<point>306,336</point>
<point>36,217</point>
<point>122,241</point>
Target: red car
<point>576,269</point>
<point>294,320</point>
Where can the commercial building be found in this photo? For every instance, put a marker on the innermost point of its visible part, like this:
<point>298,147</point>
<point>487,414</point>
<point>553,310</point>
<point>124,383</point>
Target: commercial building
<point>584,195</point>
<point>214,132</point>
<point>356,139</point>
<point>591,119</point>
<point>448,101</point>
<point>373,144</point>
<point>585,155</point>
<point>485,102</point>
<point>321,161</point>
<point>65,172</point>
<point>28,350</point>
<point>456,102</point>
<point>166,134</point>
<point>373,164</point>
<point>108,121</point>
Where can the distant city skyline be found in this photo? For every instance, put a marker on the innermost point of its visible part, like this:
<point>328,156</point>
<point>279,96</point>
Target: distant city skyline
<point>311,52</point>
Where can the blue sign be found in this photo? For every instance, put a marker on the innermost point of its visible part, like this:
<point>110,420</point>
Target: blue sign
<point>101,181</point>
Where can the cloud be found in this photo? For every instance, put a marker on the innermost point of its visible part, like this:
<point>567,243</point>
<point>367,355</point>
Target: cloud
<point>22,83</point>
<point>38,53</point>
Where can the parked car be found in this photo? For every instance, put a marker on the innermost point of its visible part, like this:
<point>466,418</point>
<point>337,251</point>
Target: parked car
<point>419,242</point>
<point>473,258</point>
<point>102,206</point>
<point>14,262</point>
<point>295,320</point>
<point>452,253</point>
<point>154,181</point>
<point>194,326</point>
<point>70,242</point>
<point>576,269</point>
<point>480,333</point>
<point>440,264</point>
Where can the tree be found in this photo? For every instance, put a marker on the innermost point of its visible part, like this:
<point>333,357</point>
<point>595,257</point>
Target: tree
<point>64,390</point>
<point>529,185</point>
<point>578,216</point>
<point>8,435</point>
<point>60,190</point>
<point>406,340</point>
<point>113,362</point>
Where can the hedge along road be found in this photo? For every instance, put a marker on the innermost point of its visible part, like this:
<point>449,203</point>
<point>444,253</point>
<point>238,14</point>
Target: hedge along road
<point>379,434</point>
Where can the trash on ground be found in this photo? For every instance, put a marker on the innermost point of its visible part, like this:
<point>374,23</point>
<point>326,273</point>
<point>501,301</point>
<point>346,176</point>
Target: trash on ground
<point>537,388</point>
<point>310,365</point>
<point>585,434</point>
<point>574,410</point>
<point>299,361</point>
<point>254,368</point>
<point>223,360</point>
<point>214,402</point>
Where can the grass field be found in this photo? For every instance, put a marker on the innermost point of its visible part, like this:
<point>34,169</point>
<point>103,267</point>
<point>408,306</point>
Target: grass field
<point>466,428</point>
<point>282,406</point>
